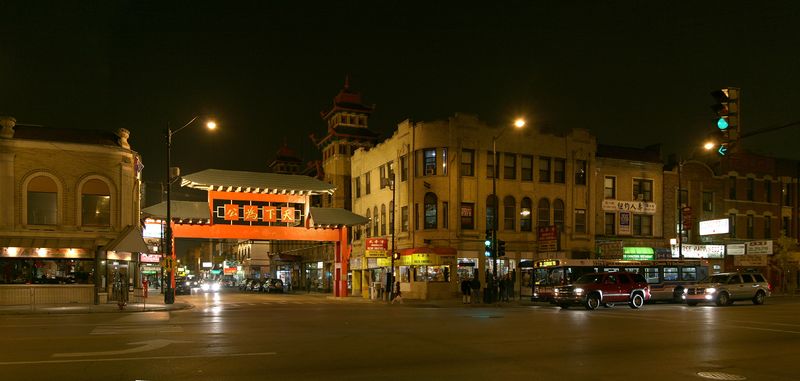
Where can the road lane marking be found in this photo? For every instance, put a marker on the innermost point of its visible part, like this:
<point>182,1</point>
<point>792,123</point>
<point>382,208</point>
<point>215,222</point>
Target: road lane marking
<point>148,345</point>
<point>135,329</point>
<point>147,358</point>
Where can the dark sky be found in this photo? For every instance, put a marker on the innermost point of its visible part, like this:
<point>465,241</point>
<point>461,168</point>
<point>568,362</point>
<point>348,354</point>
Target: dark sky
<point>633,72</point>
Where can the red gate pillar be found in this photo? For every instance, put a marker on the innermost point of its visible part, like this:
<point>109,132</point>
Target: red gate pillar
<point>341,264</point>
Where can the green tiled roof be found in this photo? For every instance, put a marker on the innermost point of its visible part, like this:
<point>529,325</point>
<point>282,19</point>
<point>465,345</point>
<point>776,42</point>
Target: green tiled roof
<point>256,182</point>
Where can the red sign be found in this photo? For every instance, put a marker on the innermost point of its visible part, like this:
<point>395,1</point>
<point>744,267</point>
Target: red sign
<point>149,258</point>
<point>251,213</point>
<point>231,212</point>
<point>287,214</point>
<point>548,238</point>
<point>376,244</point>
<point>270,214</point>
<point>229,271</point>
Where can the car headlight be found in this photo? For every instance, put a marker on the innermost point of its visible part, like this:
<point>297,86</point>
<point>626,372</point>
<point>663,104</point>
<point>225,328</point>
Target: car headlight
<point>555,291</point>
<point>215,287</point>
<point>685,290</point>
<point>711,290</point>
<point>186,283</point>
<point>205,286</point>
<point>578,291</point>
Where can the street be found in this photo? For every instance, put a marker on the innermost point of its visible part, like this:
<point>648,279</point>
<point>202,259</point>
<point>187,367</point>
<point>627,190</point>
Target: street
<point>239,336</point>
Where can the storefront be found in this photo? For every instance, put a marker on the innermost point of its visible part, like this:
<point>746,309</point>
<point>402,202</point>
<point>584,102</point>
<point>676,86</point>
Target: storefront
<point>424,272</point>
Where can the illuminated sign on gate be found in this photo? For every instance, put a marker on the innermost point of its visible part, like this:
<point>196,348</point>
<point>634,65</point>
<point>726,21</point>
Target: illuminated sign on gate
<point>257,213</point>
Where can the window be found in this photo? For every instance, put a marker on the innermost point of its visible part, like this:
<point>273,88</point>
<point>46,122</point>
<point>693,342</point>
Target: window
<point>467,162</point>
<point>509,213</point>
<point>404,218</point>
<point>708,201</point>
<point>526,163</point>
<point>785,226</point>
<point>467,216</point>
<point>732,187</point>
<point>510,166</point>
<point>357,182</point>
<point>544,169</point>
<point>732,224</point>
<point>375,221</point>
<point>610,223</point>
<point>580,221</point>
<point>767,227</point>
<point>543,213</point>
<point>444,161</point>
<point>445,215</point>
<point>642,225</point>
<point>382,171</point>
<point>768,190</point>
<point>750,226</point>
<point>558,214</point>
<point>42,201</point>
<point>525,215</point>
<point>491,212</point>
<point>610,187</point>
<point>383,219</point>
<point>95,204</point>
<point>366,183</point>
<point>643,190</point>
<point>430,210</point>
<point>490,165</point>
<point>751,188</point>
<point>559,171</point>
<point>429,160</point>
<point>403,168</point>
<point>580,172</point>
<point>369,223</point>
<point>390,171</point>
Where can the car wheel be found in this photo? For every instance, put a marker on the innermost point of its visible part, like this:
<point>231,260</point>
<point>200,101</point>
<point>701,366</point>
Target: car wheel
<point>691,304</point>
<point>592,301</point>
<point>723,299</point>
<point>759,298</point>
<point>608,305</point>
<point>637,301</point>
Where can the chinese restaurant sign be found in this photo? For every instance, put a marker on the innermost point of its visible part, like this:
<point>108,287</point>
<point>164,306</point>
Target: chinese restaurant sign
<point>629,206</point>
<point>375,247</point>
<point>257,213</point>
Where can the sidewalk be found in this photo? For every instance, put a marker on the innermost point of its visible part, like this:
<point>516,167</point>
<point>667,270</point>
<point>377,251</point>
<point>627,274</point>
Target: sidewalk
<point>153,303</point>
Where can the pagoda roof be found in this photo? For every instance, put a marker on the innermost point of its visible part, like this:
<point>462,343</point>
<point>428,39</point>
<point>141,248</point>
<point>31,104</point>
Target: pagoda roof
<point>256,182</point>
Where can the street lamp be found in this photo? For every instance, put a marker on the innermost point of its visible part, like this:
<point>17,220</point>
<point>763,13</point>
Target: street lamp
<point>389,182</point>
<point>518,124</point>
<point>707,146</point>
<point>169,289</point>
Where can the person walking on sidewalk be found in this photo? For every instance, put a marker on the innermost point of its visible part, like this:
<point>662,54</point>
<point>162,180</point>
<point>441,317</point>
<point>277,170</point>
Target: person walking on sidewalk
<point>466,291</point>
<point>397,294</point>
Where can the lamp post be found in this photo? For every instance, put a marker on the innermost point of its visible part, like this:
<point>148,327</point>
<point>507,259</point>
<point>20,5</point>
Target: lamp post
<point>169,289</point>
<point>390,276</point>
<point>707,146</point>
<point>518,123</point>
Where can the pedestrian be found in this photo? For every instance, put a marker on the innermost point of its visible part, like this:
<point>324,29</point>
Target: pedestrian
<point>502,285</point>
<point>466,291</point>
<point>308,285</point>
<point>475,284</point>
<point>397,294</point>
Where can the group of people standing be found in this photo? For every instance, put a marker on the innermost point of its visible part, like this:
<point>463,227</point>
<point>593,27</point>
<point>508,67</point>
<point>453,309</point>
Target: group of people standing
<point>501,289</point>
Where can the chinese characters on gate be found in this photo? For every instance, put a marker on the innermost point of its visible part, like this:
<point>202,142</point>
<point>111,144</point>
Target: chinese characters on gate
<point>256,213</point>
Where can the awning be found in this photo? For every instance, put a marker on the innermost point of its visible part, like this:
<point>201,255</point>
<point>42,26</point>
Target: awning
<point>427,256</point>
<point>129,240</point>
<point>45,247</point>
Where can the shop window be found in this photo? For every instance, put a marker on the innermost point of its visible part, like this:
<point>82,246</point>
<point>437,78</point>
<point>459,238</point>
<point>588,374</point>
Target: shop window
<point>95,203</point>
<point>432,273</point>
<point>467,216</point>
<point>46,271</point>
<point>42,201</point>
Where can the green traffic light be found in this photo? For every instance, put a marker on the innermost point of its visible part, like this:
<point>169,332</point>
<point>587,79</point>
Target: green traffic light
<point>722,150</point>
<point>487,243</point>
<point>722,124</point>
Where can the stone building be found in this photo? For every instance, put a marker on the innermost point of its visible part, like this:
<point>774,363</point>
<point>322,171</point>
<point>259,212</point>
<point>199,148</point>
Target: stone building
<point>69,213</point>
<point>443,202</point>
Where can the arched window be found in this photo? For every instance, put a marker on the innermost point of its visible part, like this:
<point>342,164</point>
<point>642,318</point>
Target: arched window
<point>430,210</point>
<point>491,212</point>
<point>525,215</point>
<point>543,213</point>
<point>375,221</point>
<point>42,193</point>
<point>369,223</point>
<point>558,214</point>
<point>383,219</point>
<point>509,213</point>
<point>95,203</point>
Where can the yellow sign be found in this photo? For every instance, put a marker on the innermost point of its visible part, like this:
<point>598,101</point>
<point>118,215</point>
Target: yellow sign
<point>384,262</point>
<point>375,253</point>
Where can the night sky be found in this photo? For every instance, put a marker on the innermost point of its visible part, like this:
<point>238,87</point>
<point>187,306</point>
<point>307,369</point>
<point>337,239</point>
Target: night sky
<point>633,72</point>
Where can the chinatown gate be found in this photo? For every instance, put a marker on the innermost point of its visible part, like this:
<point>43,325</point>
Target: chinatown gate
<point>262,207</point>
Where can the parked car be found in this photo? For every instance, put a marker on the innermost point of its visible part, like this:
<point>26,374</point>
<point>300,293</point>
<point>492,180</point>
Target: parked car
<point>726,288</point>
<point>606,288</point>
<point>256,285</point>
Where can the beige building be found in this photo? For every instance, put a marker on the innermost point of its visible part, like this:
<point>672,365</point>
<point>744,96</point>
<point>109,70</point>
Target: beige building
<point>443,203</point>
<point>69,213</point>
<point>629,214</point>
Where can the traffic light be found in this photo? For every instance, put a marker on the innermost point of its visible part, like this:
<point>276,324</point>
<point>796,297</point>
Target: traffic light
<point>501,248</point>
<point>726,110</point>
<point>487,243</point>
<point>396,256</point>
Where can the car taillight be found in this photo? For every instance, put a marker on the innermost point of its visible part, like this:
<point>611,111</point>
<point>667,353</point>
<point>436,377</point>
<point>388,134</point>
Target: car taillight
<point>769,287</point>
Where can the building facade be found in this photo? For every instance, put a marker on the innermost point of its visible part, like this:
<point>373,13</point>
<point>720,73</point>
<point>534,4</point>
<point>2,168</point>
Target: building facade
<point>441,205</point>
<point>69,213</point>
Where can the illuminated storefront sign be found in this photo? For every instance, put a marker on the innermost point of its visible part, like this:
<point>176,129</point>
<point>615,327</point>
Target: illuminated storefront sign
<point>257,213</point>
<point>645,207</point>
<point>699,251</point>
<point>638,253</point>
<point>375,247</point>
<point>710,227</point>
<point>149,258</point>
<point>763,247</point>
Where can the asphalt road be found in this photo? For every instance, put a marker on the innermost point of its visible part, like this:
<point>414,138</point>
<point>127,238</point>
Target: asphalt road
<point>236,336</point>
